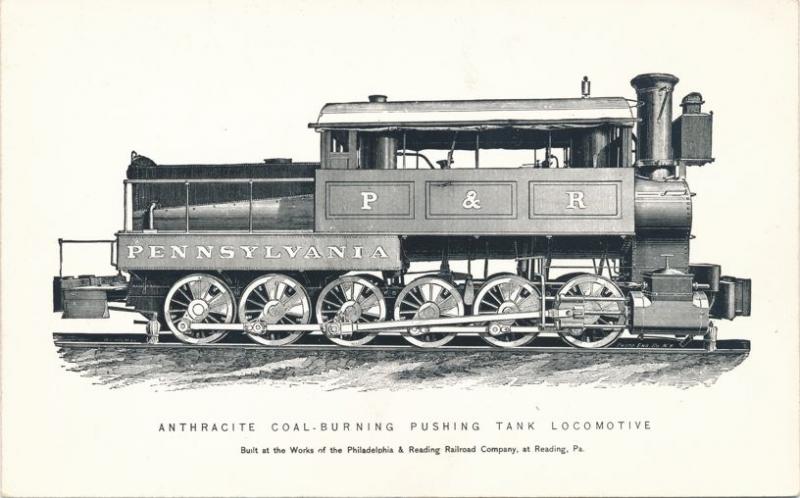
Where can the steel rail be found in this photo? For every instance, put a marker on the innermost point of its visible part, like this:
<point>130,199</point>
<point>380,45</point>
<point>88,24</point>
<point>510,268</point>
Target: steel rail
<point>721,350</point>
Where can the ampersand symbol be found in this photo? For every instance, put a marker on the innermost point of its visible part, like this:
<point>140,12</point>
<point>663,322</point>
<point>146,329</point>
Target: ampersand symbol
<point>471,201</point>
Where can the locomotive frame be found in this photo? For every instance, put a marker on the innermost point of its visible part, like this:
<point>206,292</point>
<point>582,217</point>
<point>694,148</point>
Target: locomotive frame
<point>268,249</point>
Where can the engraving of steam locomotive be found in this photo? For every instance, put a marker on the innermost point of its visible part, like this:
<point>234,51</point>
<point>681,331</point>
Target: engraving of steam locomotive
<point>594,220</point>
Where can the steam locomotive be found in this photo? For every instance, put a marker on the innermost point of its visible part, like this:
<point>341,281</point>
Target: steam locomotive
<point>593,220</point>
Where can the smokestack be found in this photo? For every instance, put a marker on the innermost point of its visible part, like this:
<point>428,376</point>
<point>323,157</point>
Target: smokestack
<point>654,129</point>
<point>377,98</point>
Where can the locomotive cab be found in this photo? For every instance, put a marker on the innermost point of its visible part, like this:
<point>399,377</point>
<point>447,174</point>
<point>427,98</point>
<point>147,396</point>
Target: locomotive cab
<point>595,147</point>
<point>551,133</point>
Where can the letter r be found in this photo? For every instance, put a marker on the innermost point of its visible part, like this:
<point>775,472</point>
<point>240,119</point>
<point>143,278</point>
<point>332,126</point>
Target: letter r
<point>368,198</point>
<point>576,200</point>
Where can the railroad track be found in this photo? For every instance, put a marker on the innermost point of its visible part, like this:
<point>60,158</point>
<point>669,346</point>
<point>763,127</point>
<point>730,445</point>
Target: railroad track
<point>388,343</point>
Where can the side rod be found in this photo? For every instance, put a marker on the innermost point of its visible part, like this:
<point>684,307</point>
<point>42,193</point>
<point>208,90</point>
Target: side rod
<point>390,325</point>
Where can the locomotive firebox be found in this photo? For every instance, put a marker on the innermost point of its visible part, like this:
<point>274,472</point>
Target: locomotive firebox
<point>596,218</point>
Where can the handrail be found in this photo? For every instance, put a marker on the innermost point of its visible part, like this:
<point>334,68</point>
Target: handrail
<point>61,243</point>
<point>418,155</point>
<point>219,180</point>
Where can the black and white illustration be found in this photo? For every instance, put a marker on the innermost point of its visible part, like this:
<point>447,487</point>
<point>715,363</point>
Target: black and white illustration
<point>452,248</point>
<point>537,219</point>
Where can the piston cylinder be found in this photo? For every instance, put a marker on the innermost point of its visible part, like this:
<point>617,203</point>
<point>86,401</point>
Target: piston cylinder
<point>654,128</point>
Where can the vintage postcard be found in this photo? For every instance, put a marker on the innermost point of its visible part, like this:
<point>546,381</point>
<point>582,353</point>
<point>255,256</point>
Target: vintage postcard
<point>399,248</point>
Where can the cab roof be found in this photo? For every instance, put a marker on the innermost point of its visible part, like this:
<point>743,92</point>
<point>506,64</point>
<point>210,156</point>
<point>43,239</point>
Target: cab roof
<point>537,114</point>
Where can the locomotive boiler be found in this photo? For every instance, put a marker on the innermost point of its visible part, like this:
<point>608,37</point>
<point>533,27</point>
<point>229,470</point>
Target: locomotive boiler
<point>583,201</point>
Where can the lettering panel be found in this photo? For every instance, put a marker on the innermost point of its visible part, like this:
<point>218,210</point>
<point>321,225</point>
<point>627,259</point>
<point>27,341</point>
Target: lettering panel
<point>470,200</point>
<point>574,199</point>
<point>461,201</point>
<point>258,251</point>
<point>369,200</point>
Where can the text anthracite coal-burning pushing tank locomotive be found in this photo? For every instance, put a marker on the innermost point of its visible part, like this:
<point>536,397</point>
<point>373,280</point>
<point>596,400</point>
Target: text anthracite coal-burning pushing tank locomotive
<point>596,217</point>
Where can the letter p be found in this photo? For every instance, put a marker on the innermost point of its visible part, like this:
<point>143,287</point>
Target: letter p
<point>133,251</point>
<point>368,198</point>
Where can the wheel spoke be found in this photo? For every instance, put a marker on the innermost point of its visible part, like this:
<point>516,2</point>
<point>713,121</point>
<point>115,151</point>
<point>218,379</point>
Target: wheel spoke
<point>218,302</point>
<point>436,292</point>
<point>490,305</point>
<point>270,286</point>
<point>333,294</point>
<point>347,289</point>
<point>332,304</point>
<point>259,294</point>
<point>520,296</point>
<point>374,311</point>
<point>493,293</point>
<point>584,288</point>
<point>183,292</point>
<point>447,304</point>
<point>422,292</point>
<point>292,301</point>
<point>194,289</point>
<point>505,290</point>
<point>358,290</point>
<point>205,288</point>
<point>368,302</point>
<point>412,296</point>
<point>412,305</point>
<point>280,289</point>
<point>175,300</point>
<point>530,303</point>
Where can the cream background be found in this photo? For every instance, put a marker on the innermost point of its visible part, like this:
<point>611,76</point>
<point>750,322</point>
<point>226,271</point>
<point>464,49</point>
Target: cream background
<point>84,82</point>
